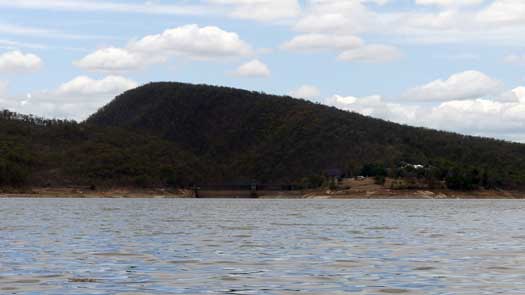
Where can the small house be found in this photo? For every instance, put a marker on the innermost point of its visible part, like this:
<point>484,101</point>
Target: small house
<point>335,174</point>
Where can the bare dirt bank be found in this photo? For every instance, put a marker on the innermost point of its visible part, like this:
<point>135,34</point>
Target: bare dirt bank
<point>372,192</point>
<point>69,192</point>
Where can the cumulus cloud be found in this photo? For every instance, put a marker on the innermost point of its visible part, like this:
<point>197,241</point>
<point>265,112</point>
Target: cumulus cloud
<point>374,106</point>
<point>312,42</point>
<point>451,22</point>
<point>501,116</point>
<point>262,10</point>
<point>481,117</point>
<point>351,48</point>
<point>515,59</point>
<point>189,41</point>
<point>306,91</point>
<point>478,117</point>
<point>373,53</point>
<point>83,86</point>
<point>449,2</point>
<point>253,69</point>
<point>460,86</point>
<point>500,21</point>
<point>3,88</point>
<point>336,16</point>
<point>519,93</point>
<point>111,59</point>
<point>16,61</point>
<point>75,99</point>
<point>377,2</point>
<point>503,12</point>
<point>334,24</point>
<point>194,41</point>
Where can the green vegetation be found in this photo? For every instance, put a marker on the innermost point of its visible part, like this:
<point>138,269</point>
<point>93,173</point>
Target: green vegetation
<point>173,134</point>
<point>41,152</point>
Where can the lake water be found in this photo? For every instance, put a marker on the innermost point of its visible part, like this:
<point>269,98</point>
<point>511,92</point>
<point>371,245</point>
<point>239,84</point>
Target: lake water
<point>171,246</point>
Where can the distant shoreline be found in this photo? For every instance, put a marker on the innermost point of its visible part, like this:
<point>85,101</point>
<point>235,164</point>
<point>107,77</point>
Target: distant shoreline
<point>131,193</point>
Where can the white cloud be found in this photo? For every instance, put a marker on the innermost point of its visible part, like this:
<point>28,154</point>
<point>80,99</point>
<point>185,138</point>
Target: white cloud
<point>194,41</point>
<point>147,7</point>
<point>481,117</point>
<point>75,99</point>
<point>502,116</point>
<point>253,69</point>
<point>83,86</point>
<point>461,56</point>
<point>377,2</point>
<point>15,45</point>
<point>262,10</point>
<point>23,30</point>
<point>478,117</point>
<point>453,21</point>
<point>373,53</point>
<point>189,41</point>
<point>16,61</point>
<point>13,29</point>
<point>306,91</point>
<point>310,42</point>
<point>449,2</point>
<point>351,48</point>
<point>374,106</point>
<point>519,93</point>
<point>336,16</point>
<point>500,21</point>
<point>503,12</point>
<point>461,86</point>
<point>3,88</point>
<point>515,59</point>
<point>111,59</point>
<point>259,10</point>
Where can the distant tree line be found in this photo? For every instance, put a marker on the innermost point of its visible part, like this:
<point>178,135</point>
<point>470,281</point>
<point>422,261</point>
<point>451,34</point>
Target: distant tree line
<point>436,176</point>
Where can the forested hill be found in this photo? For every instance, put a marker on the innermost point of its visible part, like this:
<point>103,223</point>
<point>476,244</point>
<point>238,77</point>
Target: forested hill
<point>251,135</point>
<point>173,134</point>
<point>40,152</point>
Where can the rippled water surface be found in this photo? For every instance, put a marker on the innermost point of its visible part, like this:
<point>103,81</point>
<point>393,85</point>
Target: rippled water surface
<point>122,246</point>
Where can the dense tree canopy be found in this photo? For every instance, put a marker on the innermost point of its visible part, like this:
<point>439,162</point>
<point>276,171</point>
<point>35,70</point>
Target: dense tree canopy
<point>177,134</point>
<point>35,151</point>
<point>251,135</point>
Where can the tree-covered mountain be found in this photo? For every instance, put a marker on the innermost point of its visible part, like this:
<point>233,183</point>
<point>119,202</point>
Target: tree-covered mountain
<point>251,135</point>
<point>177,134</point>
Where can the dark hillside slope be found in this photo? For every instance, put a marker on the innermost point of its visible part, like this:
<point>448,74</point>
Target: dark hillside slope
<point>250,135</point>
<point>39,152</point>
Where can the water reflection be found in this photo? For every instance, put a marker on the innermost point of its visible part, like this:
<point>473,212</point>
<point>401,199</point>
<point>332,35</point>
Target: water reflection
<point>55,246</point>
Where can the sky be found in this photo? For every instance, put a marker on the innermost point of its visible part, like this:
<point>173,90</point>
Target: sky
<point>455,65</point>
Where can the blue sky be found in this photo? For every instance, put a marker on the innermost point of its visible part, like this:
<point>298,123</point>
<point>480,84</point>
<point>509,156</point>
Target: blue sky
<point>455,65</point>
